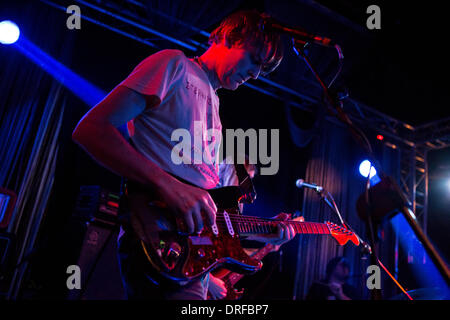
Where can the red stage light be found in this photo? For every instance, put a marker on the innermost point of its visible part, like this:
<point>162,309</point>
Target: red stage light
<point>380,137</point>
<point>113,204</point>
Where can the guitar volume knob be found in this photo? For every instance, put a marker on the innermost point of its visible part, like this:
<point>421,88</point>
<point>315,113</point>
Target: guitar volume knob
<point>200,253</point>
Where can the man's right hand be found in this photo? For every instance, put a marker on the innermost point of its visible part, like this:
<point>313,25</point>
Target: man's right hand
<point>188,203</point>
<point>97,132</point>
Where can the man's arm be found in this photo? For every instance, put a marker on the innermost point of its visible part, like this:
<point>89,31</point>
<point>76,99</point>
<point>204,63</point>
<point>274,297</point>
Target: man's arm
<point>97,133</point>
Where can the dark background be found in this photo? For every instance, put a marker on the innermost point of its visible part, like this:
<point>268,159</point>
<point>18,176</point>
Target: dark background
<point>397,70</point>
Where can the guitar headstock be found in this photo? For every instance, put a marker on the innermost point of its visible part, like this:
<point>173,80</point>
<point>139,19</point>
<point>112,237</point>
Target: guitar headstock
<point>342,234</point>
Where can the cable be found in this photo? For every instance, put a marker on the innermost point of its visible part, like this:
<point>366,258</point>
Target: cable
<point>396,282</point>
<point>97,259</point>
<point>357,133</point>
<point>341,63</point>
<point>334,206</point>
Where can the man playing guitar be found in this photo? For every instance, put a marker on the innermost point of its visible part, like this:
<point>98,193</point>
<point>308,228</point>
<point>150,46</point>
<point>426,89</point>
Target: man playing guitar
<point>165,92</point>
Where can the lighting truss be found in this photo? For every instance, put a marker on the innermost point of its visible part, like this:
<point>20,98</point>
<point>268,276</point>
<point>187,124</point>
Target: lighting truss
<point>129,18</point>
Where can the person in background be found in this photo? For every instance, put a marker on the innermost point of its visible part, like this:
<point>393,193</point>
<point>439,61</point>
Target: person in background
<point>334,286</point>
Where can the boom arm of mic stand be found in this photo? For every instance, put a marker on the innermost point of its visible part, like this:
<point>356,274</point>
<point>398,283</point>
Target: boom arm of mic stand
<point>356,132</point>
<point>359,136</point>
<point>362,140</point>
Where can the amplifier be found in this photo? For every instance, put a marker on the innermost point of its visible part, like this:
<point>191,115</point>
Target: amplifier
<point>97,203</point>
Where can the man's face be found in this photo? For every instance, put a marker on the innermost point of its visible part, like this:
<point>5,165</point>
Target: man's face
<point>237,64</point>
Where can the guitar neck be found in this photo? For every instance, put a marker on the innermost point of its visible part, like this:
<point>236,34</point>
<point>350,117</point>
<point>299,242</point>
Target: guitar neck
<point>253,225</point>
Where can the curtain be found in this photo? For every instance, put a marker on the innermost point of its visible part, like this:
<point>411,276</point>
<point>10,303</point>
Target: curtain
<point>31,115</point>
<point>334,165</point>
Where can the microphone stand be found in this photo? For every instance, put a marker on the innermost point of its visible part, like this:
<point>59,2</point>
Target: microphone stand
<point>360,137</point>
<point>366,249</point>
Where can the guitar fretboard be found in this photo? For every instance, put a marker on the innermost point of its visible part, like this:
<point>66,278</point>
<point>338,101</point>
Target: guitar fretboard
<point>252,225</point>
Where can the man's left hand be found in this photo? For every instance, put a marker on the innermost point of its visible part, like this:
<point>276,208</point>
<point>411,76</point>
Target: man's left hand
<point>285,232</point>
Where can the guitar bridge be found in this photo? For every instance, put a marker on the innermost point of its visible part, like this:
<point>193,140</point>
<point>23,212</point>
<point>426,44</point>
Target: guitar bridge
<point>170,255</point>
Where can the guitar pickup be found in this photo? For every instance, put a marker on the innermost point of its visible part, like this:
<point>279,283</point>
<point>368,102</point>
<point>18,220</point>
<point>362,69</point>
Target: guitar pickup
<point>200,241</point>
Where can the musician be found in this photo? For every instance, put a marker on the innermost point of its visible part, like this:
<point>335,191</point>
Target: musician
<point>165,92</point>
<point>334,286</point>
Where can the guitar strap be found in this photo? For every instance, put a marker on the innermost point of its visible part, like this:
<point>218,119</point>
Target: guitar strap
<point>245,184</point>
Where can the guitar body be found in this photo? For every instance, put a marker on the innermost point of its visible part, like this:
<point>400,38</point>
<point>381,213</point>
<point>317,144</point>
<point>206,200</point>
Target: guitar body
<point>234,294</point>
<point>231,278</point>
<point>183,257</point>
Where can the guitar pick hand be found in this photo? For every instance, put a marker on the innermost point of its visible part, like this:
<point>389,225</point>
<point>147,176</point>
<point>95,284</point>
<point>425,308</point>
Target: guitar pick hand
<point>188,203</point>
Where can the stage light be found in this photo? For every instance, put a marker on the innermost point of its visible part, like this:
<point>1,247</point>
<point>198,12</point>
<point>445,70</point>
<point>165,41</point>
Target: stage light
<point>380,137</point>
<point>364,168</point>
<point>82,88</point>
<point>9,32</point>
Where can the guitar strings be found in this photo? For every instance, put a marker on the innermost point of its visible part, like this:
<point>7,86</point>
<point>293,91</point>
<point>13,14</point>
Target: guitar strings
<point>273,222</point>
<point>261,224</point>
<point>252,224</point>
<point>245,227</point>
<point>248,219</point>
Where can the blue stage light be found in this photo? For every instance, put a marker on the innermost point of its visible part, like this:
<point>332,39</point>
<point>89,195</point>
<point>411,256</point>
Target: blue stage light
<point>81,87</point>
<point>364,168</point>
<point>9,32</point>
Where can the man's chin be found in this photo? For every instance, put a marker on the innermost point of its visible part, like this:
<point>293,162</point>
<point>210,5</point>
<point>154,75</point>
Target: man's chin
<point>232,86</point>
<point>235,85</point>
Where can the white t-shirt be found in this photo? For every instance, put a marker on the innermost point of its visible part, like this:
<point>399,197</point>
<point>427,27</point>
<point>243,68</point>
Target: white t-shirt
<point>188,101</point>
<point>227,174</point>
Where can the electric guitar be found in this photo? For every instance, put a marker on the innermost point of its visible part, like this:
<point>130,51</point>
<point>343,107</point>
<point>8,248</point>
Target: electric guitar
<point>231,278</point>
<point>182,257</point>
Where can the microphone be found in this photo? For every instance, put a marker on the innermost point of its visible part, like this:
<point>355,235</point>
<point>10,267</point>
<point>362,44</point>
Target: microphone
<point>299,34</point>
<point>300,183</point>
